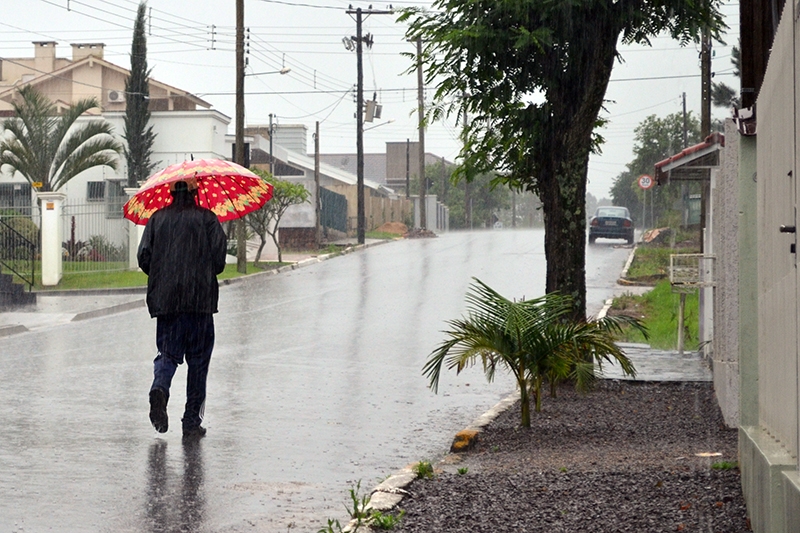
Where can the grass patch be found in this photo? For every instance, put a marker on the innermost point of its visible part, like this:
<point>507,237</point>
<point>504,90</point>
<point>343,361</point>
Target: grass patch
<point>129,278</point>
<point>423,469</point>
<point>385,522</point>
<point>725,465</point>
<point>651,263</point>
<point>658,309</point>
<point>382,235</point>
<point>331,249</point>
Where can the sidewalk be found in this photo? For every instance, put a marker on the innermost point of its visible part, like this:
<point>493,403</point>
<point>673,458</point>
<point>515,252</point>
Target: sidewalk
<point>60,307</point>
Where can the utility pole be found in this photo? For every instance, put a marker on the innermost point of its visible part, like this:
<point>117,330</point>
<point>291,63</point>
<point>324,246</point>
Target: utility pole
<point>705,124</point>
<point>467,189</point>
<point>361,219</point>
<point>685,124</point>
<point>443,188</point>
<point>513,209</point>
<point>241,233</point>
<point>271,162</point>
<point>423,181</point>
<point>360,40</point>
<point>408,167</point>
<point>684,188</point>
<point>705,85</point>
<point>318,206</point>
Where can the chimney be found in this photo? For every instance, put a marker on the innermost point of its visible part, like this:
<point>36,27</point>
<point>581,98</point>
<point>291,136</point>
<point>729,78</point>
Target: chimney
<point>44,56</point>
<point>82,50</point>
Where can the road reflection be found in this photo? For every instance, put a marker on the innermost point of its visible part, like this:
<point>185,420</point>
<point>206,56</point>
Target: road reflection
<point>173,503</point>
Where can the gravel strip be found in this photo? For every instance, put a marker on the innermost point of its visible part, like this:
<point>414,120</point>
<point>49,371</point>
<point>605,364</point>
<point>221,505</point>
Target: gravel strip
<point>623,457</point>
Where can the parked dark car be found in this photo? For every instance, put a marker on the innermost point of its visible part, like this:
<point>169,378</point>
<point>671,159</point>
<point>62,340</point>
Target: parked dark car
<point>611,222</point>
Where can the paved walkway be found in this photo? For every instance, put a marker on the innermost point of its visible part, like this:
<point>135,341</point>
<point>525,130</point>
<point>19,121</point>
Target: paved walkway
<point>660,365</point>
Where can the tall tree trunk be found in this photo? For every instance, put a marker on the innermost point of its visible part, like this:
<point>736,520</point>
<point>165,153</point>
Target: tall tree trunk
<point>565,154</point>
<point>563,200</point>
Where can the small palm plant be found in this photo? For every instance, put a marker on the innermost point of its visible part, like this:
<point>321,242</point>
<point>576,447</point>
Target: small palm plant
<point>535,340</point>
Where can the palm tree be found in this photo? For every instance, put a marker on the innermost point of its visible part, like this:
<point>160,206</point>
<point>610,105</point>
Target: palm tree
<point>535,340</point>
<point>48,148</point>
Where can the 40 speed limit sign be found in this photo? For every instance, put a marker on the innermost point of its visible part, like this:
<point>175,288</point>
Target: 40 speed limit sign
<point>645,181</point>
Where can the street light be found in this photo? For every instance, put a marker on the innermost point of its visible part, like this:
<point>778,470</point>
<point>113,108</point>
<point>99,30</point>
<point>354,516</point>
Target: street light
<point>378,125</point>
<point>284,70</point>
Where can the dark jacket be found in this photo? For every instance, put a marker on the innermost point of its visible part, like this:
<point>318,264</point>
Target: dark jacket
<point>183,249</point>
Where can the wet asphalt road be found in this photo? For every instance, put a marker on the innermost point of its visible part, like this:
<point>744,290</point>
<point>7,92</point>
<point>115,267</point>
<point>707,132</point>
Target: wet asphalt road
<point>314,385</point>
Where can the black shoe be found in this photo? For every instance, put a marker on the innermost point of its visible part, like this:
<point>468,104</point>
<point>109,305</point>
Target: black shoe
<point>194,433</point>
<point>158,410</point>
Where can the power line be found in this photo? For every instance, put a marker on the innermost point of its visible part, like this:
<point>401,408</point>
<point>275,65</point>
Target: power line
<point>301,4</point>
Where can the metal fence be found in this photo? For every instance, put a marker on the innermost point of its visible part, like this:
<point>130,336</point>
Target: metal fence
<point>334,210</point>
<point>95,236</point>
<point>19,238</point>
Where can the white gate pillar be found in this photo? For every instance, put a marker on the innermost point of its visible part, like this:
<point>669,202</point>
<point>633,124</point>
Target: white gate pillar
<point>52,258</point>
<point>135,232</point>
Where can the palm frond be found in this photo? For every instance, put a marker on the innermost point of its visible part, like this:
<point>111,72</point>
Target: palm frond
<point>533,339</point>
<point>98,151</point>
<point>615,324</point>
<point>48,148</point>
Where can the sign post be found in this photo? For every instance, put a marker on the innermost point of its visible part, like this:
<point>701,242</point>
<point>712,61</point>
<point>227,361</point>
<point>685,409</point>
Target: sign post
<point>646,182</point>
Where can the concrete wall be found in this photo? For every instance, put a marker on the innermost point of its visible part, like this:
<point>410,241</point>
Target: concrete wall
<point>725,355</point>
<point>377,209</point>
<point>763,462</point>
<point>401,156</point>
<point>748,283</point>
<point>768,293</point>
<point>777,290</point>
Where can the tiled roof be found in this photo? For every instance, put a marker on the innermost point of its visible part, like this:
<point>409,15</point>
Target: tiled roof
<point>689,163</point>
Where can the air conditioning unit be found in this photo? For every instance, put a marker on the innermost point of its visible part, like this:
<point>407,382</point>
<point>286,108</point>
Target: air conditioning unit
<point>116,96</point>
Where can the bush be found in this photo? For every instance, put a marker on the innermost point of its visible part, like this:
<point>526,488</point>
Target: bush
<point>22,225</point>
<point>97,249</point>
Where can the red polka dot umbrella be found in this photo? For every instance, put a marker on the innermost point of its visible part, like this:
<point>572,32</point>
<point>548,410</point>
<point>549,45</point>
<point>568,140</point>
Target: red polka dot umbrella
<point>229,190</point>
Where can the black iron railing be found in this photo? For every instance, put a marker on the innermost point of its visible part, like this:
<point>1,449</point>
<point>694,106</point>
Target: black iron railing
<point>17,253</point>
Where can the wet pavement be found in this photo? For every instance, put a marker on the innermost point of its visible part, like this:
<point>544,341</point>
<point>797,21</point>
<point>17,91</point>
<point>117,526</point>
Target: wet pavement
<point>315,384</point>
<point>660,365</point>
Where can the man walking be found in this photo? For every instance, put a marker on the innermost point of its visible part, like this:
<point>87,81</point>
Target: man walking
<point>183,249</point>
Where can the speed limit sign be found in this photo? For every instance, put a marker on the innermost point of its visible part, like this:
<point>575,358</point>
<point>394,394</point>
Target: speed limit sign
<point>645,181</point>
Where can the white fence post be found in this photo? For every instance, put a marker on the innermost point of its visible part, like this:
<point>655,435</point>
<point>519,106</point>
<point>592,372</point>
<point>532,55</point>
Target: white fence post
<point>52,257</point>
<point>135,232</point>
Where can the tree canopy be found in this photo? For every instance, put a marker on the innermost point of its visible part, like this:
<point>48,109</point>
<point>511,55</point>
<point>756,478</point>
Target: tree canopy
<point>531,76</point>
<point>137,130</point>
<point>656,138</point>
<point>486,198</point>
<point>265,221</point>
<point>44,147</point>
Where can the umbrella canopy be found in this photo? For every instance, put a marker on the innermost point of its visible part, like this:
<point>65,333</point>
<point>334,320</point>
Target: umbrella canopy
<point>229,190</point>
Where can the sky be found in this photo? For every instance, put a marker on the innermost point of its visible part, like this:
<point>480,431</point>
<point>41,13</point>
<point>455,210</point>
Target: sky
<point>191,45</point>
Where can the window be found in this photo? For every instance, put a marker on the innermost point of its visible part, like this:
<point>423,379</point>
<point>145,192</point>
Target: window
<point>96,191</point>
<point>15,195</point>
<point>116,198</point>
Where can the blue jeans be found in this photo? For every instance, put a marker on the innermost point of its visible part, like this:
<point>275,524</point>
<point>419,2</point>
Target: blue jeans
<point>189,335</point>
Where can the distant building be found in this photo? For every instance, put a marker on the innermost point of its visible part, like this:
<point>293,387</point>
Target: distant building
<point>185,125</point>
<point>400,162</point>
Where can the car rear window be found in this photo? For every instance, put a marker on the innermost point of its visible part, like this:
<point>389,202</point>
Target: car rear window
<point>612,212</point>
